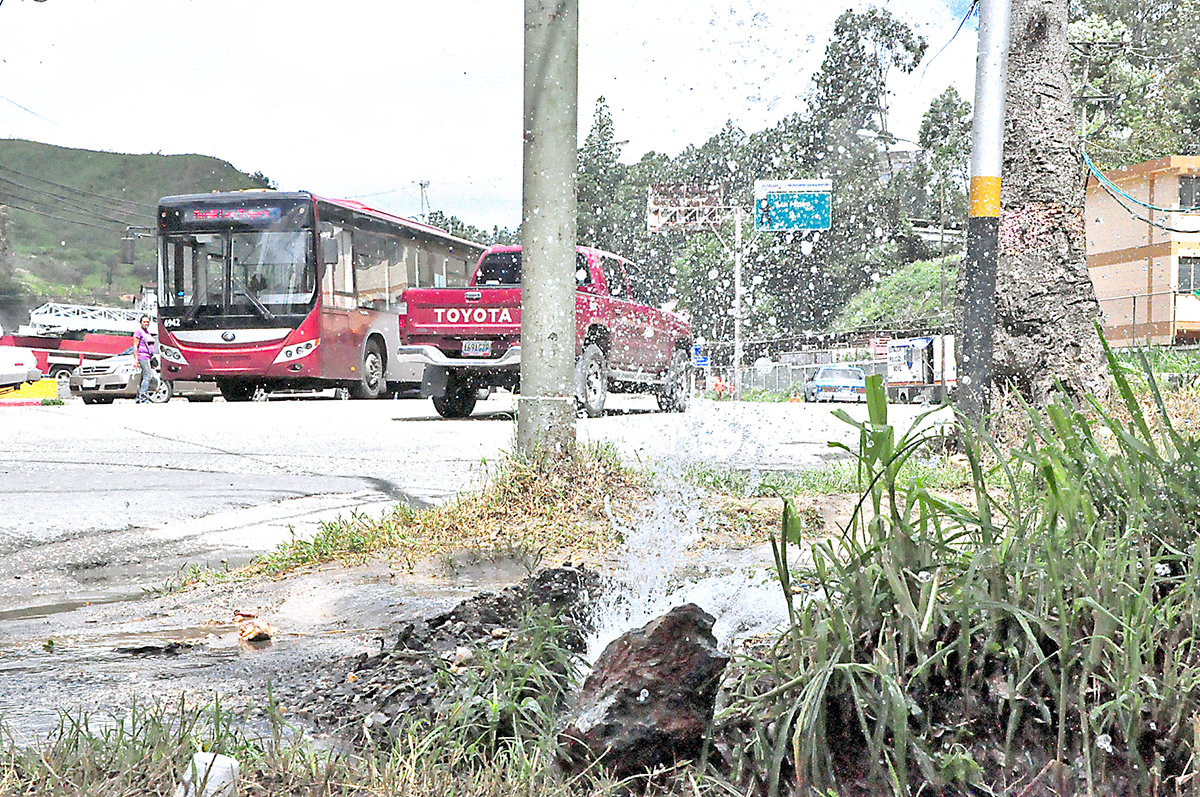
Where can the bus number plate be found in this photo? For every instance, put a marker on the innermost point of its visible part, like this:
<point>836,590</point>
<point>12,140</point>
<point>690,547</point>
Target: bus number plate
<point>477,348</point>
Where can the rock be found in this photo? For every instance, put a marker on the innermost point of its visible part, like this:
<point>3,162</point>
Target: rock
<point>648,699</point>
<point>209,775</point>
<point>163,648</point>
<point>256,630</point>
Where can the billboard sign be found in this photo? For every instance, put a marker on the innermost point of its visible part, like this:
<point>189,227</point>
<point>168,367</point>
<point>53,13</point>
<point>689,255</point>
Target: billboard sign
<point>683,207</point>
<point>792,205</point>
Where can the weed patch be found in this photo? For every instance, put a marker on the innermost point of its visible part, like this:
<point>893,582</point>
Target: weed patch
<point>528,507</point>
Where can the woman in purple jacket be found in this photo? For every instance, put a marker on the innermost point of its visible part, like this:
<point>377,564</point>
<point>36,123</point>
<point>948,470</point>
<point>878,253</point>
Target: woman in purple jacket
<point>145,353</point>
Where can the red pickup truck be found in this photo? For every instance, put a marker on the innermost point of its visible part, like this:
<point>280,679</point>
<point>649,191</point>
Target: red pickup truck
<point>470,338</point>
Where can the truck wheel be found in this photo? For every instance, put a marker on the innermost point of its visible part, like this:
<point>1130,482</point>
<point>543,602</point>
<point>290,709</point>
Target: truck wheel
<point>459,400</point>
<point>591,381</point>
<point>61,373</point>
<point>674,395</point>
<point>236,391</point>
<point>370,384</point>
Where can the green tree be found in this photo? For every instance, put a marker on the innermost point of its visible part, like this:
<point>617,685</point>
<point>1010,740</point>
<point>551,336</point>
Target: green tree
<point>1136,78</point>
<point>800,281</point>
<point>460,229</point>
<point>945,137</point>
<point>600,174</point>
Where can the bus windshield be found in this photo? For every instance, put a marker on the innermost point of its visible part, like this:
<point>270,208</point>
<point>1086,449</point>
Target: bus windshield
<point>239,273</point>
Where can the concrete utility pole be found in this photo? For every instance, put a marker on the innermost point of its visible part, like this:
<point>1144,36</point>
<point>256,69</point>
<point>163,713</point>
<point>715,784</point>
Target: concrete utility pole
<point>737,303</point>
<point>546,407</point>
<point>983,224</point>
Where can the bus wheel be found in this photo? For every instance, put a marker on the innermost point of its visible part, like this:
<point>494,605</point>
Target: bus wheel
<point>459,400</point>
<point>370,384</point>
<point>236,391</point>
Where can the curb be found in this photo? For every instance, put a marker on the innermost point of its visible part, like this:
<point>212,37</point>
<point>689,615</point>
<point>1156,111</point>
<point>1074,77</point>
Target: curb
<point>30,402</point>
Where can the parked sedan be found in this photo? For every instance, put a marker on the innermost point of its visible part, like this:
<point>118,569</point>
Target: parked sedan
<point>119,376</point>
<point>17,366</point>
<point>836,383</point>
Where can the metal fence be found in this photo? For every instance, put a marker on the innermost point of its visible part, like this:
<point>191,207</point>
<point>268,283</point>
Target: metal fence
<point>780,377</point>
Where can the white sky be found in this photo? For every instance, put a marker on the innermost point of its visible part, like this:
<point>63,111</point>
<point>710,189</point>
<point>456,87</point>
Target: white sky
<point>364,98</point>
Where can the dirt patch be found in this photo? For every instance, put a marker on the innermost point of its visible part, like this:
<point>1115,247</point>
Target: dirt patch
<point>369,694</point>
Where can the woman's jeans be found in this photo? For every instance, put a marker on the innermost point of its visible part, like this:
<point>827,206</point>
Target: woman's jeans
<point>143,393</point>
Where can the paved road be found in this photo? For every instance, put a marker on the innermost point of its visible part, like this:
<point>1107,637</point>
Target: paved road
<point>98,502</point>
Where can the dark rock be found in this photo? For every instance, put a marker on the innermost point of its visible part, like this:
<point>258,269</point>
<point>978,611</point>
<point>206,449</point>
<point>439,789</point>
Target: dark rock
<point>649,699</point>
<point>173,648</point>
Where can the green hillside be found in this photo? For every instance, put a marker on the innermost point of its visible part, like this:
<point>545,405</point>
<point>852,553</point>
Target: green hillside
<point>69,208</point>
<point>907,299</point>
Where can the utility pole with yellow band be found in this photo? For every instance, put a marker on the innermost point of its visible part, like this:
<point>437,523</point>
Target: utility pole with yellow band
<point>983,225</point>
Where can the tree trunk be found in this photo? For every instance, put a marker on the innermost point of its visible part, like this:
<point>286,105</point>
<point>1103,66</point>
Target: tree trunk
<point>1046,306</point>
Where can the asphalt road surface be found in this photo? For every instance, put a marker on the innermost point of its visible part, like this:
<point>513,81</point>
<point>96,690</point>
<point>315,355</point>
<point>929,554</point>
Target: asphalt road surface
<point>99,502</point>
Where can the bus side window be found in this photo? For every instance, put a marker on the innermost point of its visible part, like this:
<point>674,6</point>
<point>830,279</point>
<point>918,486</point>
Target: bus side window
<point>371,269</point>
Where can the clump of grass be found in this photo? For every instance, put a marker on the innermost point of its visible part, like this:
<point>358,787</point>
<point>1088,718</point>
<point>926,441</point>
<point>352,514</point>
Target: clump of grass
<point>1041,636</point>
<point>839,477</point>
<point>142,752</point>
<point>189,575</point>
<point>554,506</point>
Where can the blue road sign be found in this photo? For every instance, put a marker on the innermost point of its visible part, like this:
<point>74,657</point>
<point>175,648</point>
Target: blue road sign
<point>790,205</point>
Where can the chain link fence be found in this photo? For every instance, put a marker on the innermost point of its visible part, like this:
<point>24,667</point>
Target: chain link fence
<point>779,378</point>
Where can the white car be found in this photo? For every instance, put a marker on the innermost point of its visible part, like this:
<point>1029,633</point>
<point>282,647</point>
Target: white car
<point>119,376</point>
<point>17,366</point>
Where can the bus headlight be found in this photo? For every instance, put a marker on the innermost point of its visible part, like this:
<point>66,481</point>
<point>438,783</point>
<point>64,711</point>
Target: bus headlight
<point>297,351</point>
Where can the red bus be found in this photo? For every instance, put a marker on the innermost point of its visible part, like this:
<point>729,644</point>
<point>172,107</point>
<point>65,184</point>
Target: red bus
<point>266,290</point>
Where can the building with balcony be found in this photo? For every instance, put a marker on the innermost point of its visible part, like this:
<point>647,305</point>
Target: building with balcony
<point>1145,261</point>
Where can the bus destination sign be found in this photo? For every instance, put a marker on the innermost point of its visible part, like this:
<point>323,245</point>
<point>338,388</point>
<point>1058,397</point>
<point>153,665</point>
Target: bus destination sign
<point>243,215</point>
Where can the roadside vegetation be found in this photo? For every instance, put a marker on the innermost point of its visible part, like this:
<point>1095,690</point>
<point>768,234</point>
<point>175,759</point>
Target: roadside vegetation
<point>1037,639</point>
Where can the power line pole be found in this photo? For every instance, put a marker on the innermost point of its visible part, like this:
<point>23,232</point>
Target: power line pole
<point>546,407</point>
<point>983,224</point>
<point>424,184</point>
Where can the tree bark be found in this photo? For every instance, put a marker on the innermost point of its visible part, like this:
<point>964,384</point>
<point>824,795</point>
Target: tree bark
<point>1046,306</point>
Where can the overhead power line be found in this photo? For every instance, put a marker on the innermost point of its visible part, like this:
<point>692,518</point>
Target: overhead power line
<point>1114,191</point>
<point>57,202</point>
<point>119,200</point>
<point>57,218</point>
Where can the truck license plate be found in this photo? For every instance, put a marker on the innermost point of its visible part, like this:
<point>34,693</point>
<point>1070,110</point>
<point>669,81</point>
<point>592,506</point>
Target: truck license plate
<point>89,383</point>
<point>477,348</point>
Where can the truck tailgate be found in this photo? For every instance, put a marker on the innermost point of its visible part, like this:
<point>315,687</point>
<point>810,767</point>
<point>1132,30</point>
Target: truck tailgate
<point>463,312</point>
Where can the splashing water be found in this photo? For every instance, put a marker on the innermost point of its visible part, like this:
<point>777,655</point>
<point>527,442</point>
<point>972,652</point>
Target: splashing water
<point>657,572</point>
